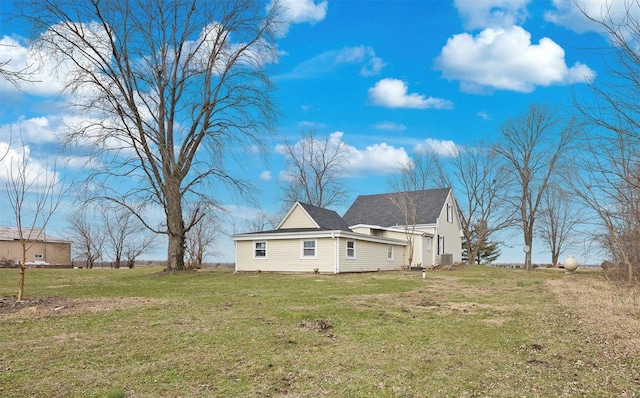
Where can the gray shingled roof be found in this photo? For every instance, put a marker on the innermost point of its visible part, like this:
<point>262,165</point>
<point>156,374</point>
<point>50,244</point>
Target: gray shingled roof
<point>11,233</point>
<point>325,218</point>
<point>380,210</point>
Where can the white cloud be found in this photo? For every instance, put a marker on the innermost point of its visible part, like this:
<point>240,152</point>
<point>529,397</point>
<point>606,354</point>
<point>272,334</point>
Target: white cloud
<point>42,77</point>
<point>480,14</point>
<point>484,116</point>
<point>301,11</point>
<point>266,176</point>
<point>390,126</point>
<point>329,61</point>
<point>393,93</point>
<point>298,11</point>
<point>381,159</point>
<point>505,59</point>
<point>13,161</point>
<point>570,15</point>
<point>309,125</point>
<point>445,148</point>
<point>35,130</point>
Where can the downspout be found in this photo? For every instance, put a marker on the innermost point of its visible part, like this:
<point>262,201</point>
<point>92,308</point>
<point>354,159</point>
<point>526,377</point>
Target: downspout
<point>235,266</point>
<point>336,258</point>
<point>422,250</point>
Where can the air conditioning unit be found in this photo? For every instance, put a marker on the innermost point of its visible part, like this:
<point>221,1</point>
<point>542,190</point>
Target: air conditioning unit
<point>446,260</point>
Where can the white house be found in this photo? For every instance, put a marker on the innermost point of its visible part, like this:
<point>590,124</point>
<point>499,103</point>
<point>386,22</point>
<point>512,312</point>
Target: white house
<point>374,234</point>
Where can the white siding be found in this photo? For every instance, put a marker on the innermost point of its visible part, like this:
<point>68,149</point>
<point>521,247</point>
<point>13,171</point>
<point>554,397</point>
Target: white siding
<point>451,231</point>
<point>370,256</point>
<point>298,218</point>
<point>283,255</point>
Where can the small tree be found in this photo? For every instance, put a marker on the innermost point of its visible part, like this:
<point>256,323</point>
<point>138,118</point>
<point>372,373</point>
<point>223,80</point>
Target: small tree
<point>557,222</point>
<point>34,194</point>
<point>124,235</point>
<point>407,207</point>
<point>200,241</point>
<point>88,237</point>
<point>423,171</point>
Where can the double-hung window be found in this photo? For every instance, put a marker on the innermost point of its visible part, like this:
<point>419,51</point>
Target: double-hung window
<point>260,249</point>
<point>389,252</point>
<point>308,249</point>
<point>449,213</point>
<point>351,249</point>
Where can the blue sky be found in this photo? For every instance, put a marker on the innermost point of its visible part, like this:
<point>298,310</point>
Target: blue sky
<point>385,77</point>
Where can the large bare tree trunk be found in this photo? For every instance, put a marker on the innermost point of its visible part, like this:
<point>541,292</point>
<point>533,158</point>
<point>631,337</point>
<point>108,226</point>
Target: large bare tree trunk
<point>175,226</point>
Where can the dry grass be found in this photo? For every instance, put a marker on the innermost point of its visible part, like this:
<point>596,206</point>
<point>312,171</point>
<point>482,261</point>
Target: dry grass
<point>607,313</point>
<point>468,332</point>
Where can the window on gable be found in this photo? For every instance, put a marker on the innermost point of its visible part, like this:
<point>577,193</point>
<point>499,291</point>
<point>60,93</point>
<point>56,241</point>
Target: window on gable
<point>449,213</point>
<point>351,249</point>
<point>260,249</point>
<point>389,252</point>
<point>308,248</point>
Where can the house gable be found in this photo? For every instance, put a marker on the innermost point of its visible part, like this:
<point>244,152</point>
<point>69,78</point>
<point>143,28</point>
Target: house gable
<point>302,215</point>
<point>297,217</point>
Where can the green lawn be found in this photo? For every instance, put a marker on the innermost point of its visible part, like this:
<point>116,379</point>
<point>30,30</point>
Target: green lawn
<point>473,331</point>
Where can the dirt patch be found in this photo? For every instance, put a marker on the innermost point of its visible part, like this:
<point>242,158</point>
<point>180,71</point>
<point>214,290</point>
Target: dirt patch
<point>47,306</point>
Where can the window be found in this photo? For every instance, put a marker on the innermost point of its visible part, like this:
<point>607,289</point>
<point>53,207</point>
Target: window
<point>389,253</point>
<point>449,213</point>
<point>308,249</point>
<point>38,256</point>
<point>428,243</point>
<point>351,249</point>
<point>440,244</point>
<point>260,250</point>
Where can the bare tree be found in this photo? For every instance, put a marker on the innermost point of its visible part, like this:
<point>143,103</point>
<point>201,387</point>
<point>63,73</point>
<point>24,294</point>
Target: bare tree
<point>407,207</point>
<point>200,241</point>
<point>423,171</point>
<point>531,149</point>
<point>609,183</point>
<point>88,236</point>
<point>34,193</point>
<point>168,90</point>
<point>135,247</point>
<point>557,222</point>
<point>480,183</point>
<point>315,169</point>
<point>124,235</point>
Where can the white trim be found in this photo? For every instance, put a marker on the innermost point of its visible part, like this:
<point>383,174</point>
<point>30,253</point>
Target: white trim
<point>336,255</point>
<point>286,216</point>
<point>266,244</point>
<point>318,234</point>
<point>315,249</point>
<point>346,245</point>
